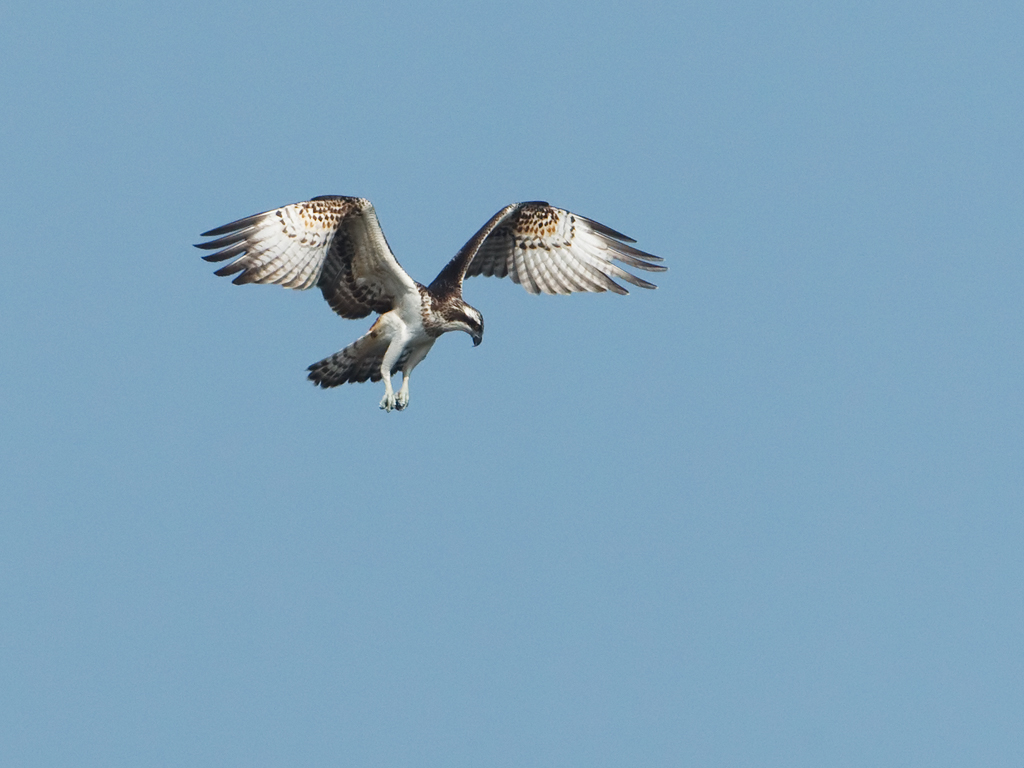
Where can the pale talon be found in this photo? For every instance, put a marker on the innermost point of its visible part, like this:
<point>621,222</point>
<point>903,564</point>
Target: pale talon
<point>402,399</point>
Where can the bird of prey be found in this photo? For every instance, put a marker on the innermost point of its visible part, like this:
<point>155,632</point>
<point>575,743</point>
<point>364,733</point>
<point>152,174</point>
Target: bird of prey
<point>336,244</point>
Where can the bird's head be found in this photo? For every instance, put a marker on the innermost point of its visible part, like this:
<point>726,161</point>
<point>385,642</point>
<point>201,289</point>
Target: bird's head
<point>462,317</point>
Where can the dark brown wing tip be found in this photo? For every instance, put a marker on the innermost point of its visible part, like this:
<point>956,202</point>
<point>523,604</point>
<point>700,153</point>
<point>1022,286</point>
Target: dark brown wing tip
<point>234,226</point>
<point>605,230</point>
<point>635,258</point>
<point>638,264</point>
<point>641,283</point>
<point>643,255</point>
<point>230,269</point>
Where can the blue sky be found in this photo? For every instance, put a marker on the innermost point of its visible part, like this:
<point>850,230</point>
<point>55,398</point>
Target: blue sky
<point>769,514</point>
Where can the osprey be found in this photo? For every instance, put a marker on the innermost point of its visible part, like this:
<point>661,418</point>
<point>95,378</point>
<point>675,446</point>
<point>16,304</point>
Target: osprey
<point>336,244</point>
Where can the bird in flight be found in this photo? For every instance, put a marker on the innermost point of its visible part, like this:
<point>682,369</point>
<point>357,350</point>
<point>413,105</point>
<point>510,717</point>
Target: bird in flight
<point>336,244</point>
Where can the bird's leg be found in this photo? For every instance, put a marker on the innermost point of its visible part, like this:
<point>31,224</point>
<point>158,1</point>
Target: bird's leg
<point>388,401</point>
<point>402,400</point>
<point>415,358</point>
<point>390,358</point>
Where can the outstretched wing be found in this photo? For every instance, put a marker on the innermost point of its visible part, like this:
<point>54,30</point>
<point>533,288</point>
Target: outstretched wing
<point>549,250</point>
<point>334,243</point>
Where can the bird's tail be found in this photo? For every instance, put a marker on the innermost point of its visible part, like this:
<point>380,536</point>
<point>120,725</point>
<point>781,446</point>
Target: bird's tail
<point>359,361</point>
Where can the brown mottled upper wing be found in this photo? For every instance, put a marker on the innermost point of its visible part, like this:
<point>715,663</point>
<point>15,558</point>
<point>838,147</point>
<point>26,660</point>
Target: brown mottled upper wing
<point>332,242</point>
<point>550,250</point>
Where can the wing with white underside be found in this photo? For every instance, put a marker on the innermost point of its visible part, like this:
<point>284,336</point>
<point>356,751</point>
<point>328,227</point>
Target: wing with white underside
<point>334,243</point>
<point>551,250</point>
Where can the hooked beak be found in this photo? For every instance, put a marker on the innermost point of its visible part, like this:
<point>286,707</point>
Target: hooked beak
<point>477,338</point>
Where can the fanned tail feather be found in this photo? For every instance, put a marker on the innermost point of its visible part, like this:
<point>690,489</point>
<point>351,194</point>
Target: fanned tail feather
<point>359,361</point>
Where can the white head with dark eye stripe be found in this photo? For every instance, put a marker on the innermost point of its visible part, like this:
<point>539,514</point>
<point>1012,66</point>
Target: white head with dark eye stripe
<point>459,316</point>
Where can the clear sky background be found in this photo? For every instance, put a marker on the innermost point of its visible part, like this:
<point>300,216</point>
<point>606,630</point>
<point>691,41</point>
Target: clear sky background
<point>769,514</point>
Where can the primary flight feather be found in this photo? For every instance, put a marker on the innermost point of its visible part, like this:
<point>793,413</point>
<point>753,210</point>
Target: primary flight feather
<point>336,244</point>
